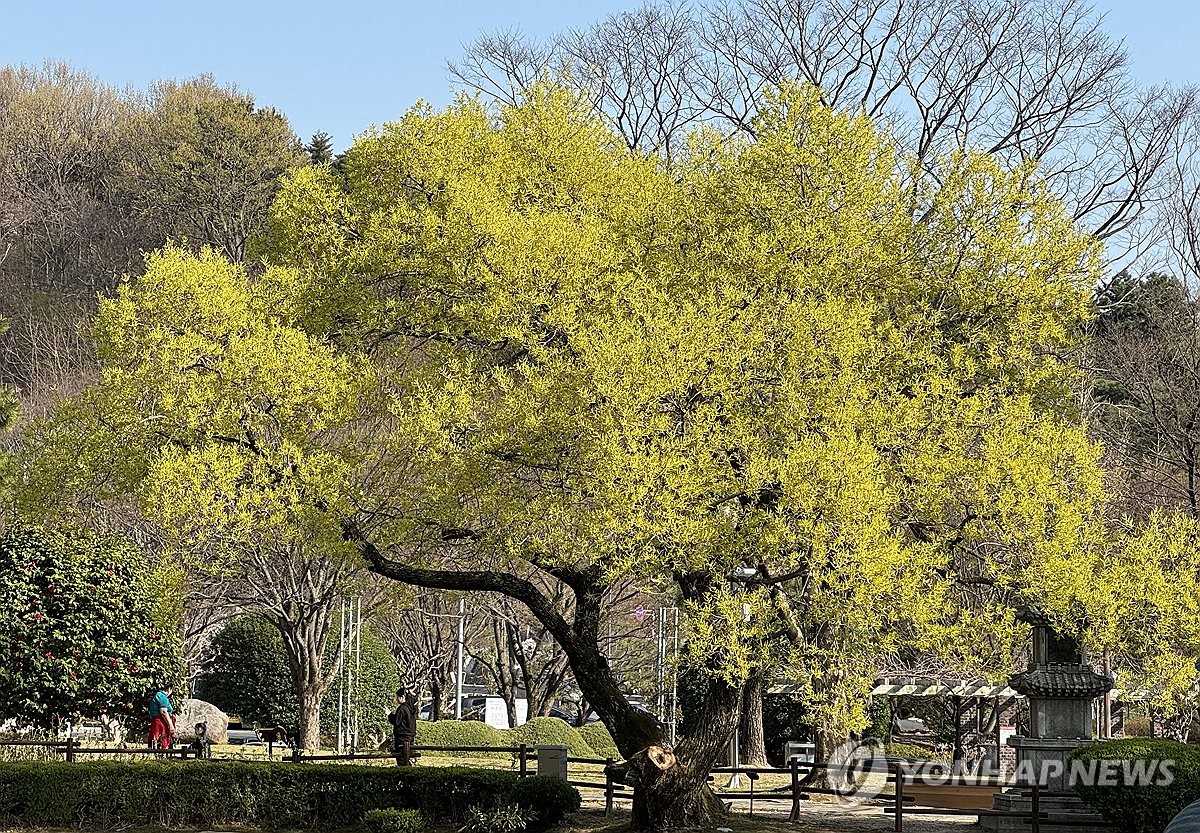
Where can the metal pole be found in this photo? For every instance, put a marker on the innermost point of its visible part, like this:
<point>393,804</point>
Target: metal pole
<point>357,671</point>
<point>662,673</point>
<point>458,682</point>
<point>675,681</point>
<point>341,687</point>
<point>348,676</point>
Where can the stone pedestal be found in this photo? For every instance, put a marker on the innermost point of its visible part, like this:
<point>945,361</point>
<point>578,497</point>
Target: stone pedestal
<point>1071,807</point>
<point>1046,759</point>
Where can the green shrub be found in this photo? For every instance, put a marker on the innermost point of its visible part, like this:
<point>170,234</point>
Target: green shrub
<point>546,801</point>
<point>393,821</point>
<point>597,736</point>
<point>907,750</point>
<point>550,731</point>
<point>204,793</point>
<point>508,819</point>
<point>1141,808</point>
<point>462,733</point>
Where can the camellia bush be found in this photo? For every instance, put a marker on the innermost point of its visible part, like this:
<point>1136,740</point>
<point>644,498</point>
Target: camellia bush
<point>87,626</point>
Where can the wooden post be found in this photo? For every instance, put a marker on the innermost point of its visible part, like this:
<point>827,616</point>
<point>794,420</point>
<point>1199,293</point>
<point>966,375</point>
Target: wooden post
<point>900,798</point>
<point>296,754</point>
<point>794,764</point>
<point>1037,808</point>
<point>70,750</point>
<point>753,778</point>
<point>524,758</point>
<point>608,786</point>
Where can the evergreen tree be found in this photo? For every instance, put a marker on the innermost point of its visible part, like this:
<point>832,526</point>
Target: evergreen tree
<point>320,148</point>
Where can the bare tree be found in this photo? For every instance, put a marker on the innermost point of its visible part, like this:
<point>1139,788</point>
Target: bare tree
<point>423,637</point>
<point>1146,356</point>
<point>522,656</point>
<point>1028,81</point>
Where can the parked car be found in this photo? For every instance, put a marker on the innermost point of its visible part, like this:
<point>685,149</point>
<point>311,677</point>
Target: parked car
<point>911,724</point>
<point>592,717</point>
<point>473,707</point>
<point>244,737</point>
<point>88,729</point>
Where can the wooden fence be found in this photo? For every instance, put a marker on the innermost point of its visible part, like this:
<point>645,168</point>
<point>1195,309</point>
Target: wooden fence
<point>915,791</point>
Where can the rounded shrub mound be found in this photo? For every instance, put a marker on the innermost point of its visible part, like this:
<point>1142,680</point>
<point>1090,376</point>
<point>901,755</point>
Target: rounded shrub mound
<point>551,731</point>
<point>1140,784</point>
<point>461,733</point>
<point>545,801</point>
<point>598,737</point>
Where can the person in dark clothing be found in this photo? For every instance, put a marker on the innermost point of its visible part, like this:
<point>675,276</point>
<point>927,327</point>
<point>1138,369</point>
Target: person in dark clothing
<point>404,727</point>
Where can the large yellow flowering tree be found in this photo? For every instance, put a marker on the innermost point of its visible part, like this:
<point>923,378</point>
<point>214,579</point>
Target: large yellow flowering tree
<point>821,398</point>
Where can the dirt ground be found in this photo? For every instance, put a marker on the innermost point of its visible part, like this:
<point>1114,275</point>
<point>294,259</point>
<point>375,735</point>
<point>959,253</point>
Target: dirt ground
<point>772,817</point>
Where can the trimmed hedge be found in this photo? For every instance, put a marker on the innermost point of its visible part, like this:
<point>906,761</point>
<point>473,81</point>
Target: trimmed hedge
<point>273,795</point>
<point>598,737</point>
<point>550,730</point>
<point>463,733</point>
<point>1141,808</point>
<point>539,730</point>
<point>907,750</point>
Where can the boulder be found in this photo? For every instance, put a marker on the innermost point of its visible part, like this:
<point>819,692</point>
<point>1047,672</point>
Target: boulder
<point>193,711</point>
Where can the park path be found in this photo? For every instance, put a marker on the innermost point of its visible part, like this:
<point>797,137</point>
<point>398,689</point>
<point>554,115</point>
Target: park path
<point>815,817</point>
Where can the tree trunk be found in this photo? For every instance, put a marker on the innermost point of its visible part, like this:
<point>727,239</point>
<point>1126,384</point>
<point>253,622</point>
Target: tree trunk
<point>668,794</point>
<point>750,729</point>
<point>506,682</point>
<point>309,736</point>
<point>829,742</point>
<point>304,636</point>
<point>435,698</point>
<point>670,788</point>
<point>678,795</point>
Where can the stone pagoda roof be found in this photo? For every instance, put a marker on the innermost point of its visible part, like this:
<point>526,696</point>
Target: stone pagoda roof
<point>1061,680</point>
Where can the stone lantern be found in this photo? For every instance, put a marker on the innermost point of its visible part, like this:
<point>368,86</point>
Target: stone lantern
<point>1060,687</point>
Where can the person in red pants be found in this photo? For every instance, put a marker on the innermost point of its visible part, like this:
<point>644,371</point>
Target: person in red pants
<point>162,718</point>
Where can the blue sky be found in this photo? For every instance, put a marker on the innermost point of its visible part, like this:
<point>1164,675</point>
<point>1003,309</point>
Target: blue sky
<point>340,67</point>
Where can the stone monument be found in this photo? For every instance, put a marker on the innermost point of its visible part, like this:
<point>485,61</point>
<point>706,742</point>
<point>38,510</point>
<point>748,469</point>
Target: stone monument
<point>1060,687</point>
